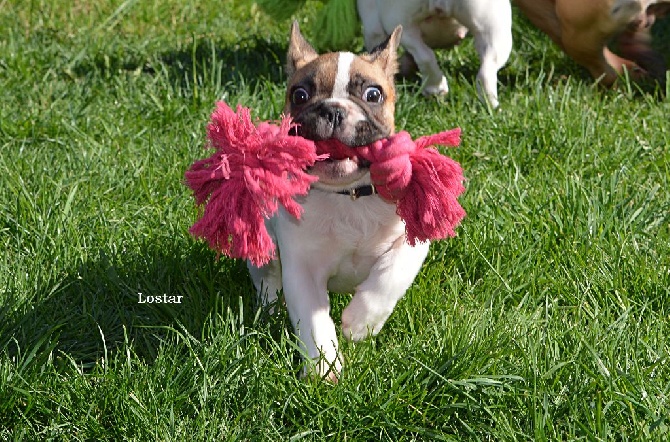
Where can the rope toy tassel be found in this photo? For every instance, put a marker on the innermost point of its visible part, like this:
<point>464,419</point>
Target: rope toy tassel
<point>252,171</point>
<point>430,206</point>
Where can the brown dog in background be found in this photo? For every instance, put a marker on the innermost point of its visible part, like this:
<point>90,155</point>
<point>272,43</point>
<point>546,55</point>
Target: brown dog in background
<point>585,28</point>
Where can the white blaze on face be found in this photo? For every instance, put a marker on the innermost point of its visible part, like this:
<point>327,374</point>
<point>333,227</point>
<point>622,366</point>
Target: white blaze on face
<point>340,93</point>
<point>344,61</point>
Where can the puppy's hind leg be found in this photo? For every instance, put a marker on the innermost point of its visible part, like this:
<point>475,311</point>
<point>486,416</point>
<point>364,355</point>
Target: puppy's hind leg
<point>494,45</point>
<point>377,296</point>
<point>268,282</point>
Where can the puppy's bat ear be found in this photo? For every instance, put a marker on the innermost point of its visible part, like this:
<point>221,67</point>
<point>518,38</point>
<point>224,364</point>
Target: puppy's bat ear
<point>386,53</point>
<point>300,52</point>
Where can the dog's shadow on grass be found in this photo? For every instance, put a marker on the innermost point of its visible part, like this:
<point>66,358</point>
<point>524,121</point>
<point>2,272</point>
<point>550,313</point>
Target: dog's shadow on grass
<point>204,63</point>
<point>102,306</point>
<point>249,60</point>
<point>97,307</point>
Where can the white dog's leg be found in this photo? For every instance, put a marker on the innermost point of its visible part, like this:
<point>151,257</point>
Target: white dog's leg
<point>376,297</point>
<point>268,278</point>
<point>309,309</point>
<point>494,45</point>
<point>435,83</point>
<point>373,30</point>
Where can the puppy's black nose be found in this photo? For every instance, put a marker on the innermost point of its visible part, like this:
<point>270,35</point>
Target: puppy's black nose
<point>333,115</point>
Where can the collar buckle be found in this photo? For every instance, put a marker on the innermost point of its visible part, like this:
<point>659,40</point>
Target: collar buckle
<point>357,192</point>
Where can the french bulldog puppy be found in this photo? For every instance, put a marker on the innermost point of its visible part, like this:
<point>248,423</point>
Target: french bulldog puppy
<point>584,29</point>
<point>348,239</point>
<point>433,24</point>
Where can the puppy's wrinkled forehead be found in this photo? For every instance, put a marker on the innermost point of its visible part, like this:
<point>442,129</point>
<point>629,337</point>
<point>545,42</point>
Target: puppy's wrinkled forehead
<point>342,75</point>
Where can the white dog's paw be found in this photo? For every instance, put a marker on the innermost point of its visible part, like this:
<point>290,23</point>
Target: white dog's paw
<point>360,322</point>
<point>439,89</point>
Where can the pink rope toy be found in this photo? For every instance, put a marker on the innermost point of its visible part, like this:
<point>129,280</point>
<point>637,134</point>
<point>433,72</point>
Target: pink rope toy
<point>254,169</point>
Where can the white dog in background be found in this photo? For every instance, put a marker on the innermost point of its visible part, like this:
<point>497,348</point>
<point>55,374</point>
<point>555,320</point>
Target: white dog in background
<point>433,24</point>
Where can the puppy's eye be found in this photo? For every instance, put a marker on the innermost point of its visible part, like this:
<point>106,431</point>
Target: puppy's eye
<point>299,96</point>
<point>373,94</point>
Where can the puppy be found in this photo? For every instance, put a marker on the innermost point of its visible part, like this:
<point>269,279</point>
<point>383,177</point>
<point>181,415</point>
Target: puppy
<point>348,239</point>
<point>583,29</point>
<point>436,24</point>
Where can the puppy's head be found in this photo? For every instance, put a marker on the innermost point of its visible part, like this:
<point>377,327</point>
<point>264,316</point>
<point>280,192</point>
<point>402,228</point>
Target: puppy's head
<point>342,96</point>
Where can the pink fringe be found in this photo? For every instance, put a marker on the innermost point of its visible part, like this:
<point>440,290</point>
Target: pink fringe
<point>252,171</point>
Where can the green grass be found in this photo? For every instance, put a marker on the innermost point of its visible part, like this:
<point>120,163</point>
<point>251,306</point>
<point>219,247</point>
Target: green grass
<point>546,318</point>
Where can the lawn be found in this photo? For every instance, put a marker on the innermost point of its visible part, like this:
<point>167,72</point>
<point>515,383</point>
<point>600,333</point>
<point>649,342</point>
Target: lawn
<point>546,318</point>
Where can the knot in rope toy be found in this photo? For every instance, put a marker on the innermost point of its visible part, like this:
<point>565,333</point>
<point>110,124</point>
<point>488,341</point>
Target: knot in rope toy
<point>254,169</point>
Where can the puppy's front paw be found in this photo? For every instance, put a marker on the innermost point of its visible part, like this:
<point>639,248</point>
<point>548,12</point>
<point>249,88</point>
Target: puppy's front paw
<point>360,321</point>
<point>442,88</point>
<point>322,369</point>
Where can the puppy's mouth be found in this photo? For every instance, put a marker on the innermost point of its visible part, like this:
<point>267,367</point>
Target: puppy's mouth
<point>343,168</point>
<point>339,129</point>
<point>359,134</point>
<point>339,173</point>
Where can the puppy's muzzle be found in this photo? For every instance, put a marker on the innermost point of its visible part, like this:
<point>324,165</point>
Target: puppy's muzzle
<point>333,115</point>
<point>323,121</point>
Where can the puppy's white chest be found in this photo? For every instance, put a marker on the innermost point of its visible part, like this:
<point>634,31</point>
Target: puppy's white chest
<point>339,239</point>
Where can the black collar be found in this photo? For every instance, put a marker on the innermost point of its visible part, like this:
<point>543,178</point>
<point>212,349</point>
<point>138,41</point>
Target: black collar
<point>357,192</point>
